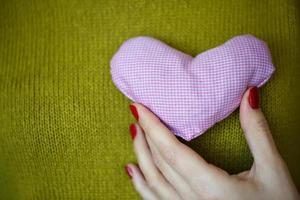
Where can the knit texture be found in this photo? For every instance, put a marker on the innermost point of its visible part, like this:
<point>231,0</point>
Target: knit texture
<point>190,94</point>
<point>63,124</point>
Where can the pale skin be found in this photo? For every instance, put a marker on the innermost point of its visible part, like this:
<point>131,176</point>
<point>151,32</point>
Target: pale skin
<point>168,169</point>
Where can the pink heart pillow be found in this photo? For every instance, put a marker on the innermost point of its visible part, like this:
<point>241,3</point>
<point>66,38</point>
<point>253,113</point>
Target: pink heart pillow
<point>190,94</point>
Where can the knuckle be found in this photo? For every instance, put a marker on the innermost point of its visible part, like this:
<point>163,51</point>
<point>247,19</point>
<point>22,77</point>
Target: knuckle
<point>139,186</point>
<point>157,161</point>
<point>150,126</point>
<point>145,126</point>
<point>154,183</point>
<point>204,190</point>
<point>168,154</point>
<point>262,125</point>
<point>160,187</point>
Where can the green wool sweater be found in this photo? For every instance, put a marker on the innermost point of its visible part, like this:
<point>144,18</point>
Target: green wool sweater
<point>64,125</point>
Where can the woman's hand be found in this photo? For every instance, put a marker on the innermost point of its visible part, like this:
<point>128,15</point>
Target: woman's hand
<point>168,169</point>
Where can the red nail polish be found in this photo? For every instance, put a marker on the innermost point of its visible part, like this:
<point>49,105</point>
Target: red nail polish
<point>128,171</point>
<point>132,129</point>
<point>253,98</point>
<point>134,112</point>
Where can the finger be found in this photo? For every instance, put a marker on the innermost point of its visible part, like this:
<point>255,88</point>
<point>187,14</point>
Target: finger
<point>139,182</point>
<point>154,178</point>
<point>178,182</point>
<point>180,157</point>
<point>256,128</point>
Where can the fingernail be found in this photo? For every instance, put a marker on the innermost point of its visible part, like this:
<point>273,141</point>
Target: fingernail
<point>134,112</point>
<point>253,98</point>
<point>128,171</point>
<point>132,129</point>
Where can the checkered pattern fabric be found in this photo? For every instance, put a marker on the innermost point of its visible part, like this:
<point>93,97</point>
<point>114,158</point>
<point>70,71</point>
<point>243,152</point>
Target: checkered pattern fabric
<point>190,94</point>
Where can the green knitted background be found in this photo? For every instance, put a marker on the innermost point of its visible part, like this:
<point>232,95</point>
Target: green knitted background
<point>64,125</point>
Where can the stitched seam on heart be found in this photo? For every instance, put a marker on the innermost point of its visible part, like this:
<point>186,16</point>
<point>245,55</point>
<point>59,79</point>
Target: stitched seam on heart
<point>200,131</point>
<point>119,84</point>
<point>271,70</point>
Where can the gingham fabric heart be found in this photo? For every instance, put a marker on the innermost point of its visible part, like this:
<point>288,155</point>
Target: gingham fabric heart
<point>190,94</point>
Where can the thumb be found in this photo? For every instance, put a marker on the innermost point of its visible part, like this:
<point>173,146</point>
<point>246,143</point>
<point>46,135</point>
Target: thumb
<point>256,129</point>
